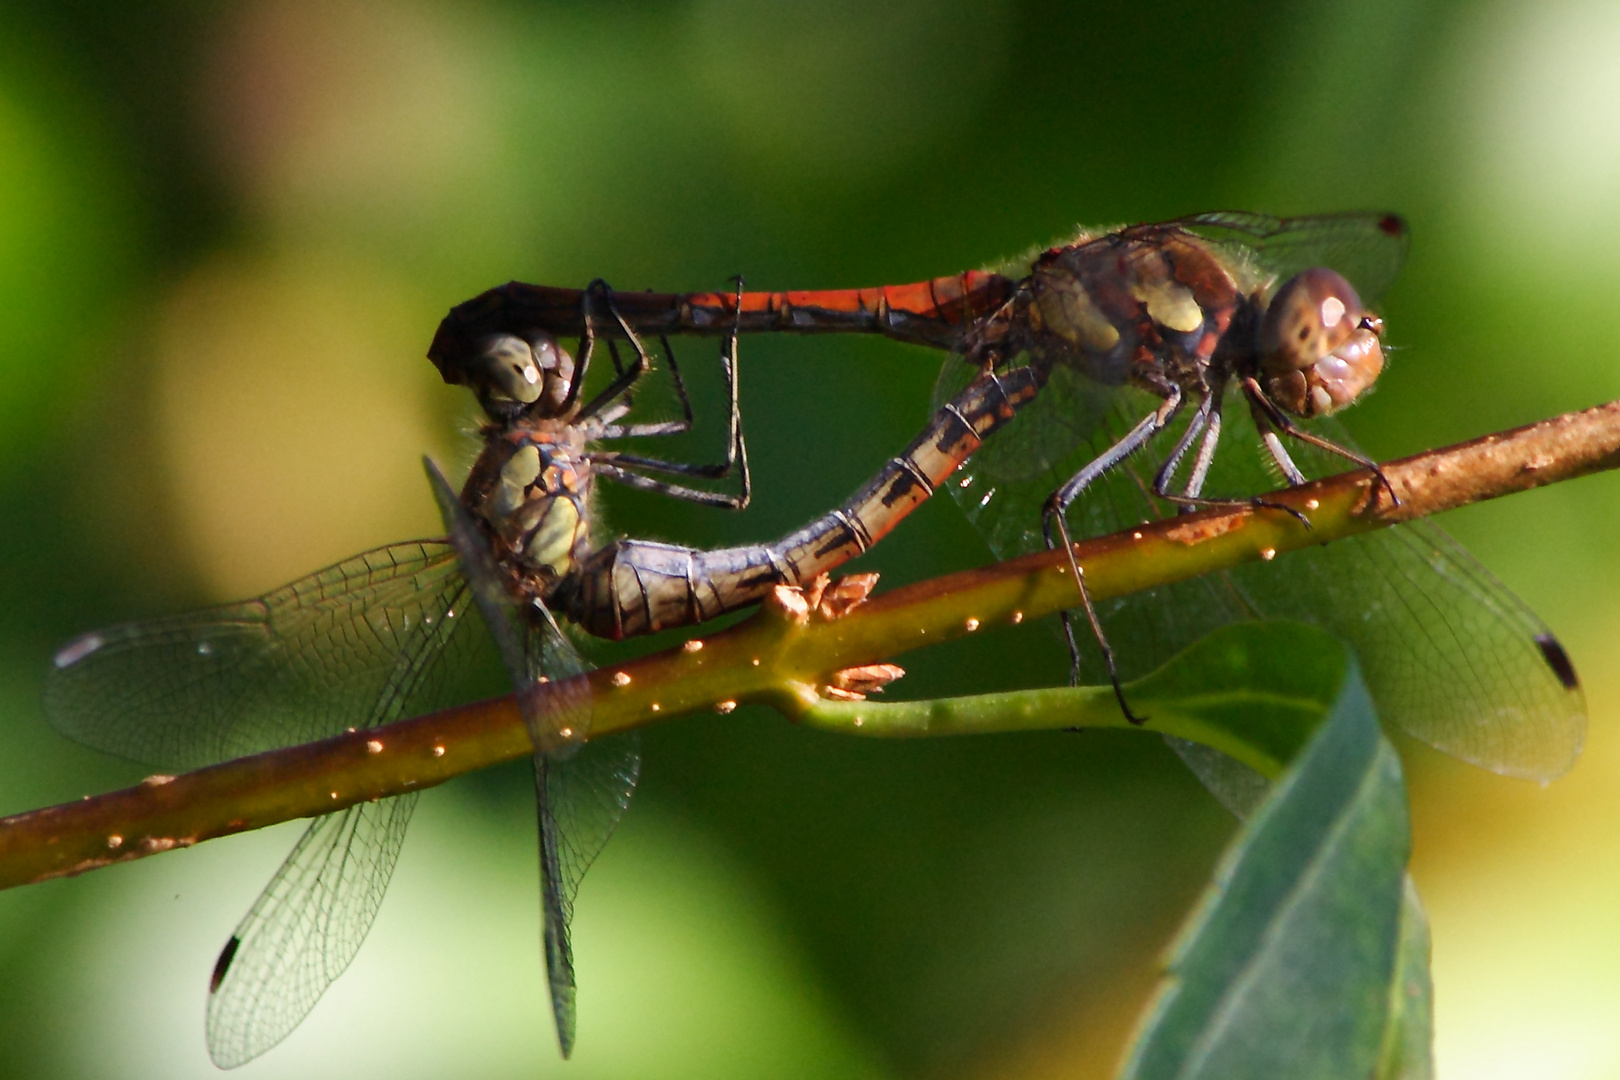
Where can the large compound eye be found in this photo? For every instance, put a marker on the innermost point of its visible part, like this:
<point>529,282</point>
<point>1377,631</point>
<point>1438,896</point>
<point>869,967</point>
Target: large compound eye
<point>1319,351</point>
<point>558,367</point>
<point>1313,314</point>
<point>1337,379</point>
<point>506,370</point>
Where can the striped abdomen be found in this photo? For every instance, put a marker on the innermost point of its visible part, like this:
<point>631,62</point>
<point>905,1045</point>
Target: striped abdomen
<point>638,586</point>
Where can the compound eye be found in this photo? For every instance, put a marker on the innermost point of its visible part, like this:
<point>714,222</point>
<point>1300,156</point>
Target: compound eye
<point>558,367</point>
<point>507,370</point>
<point>1334,381</point>
<point>1312,316</point>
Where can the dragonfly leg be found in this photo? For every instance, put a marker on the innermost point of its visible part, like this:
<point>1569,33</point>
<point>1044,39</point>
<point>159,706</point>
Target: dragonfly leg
<point>1096,627</point>
<point>1054,517</point>
<point>1201,419</point>
<point>728,363</point>
<point>586,348</point>
<point>613,430</point>
<point>608,470</point>
<point>736,444</point>
<point>1191,496</point>
<point>625,377</point>
<point>1206,451</point>
<point>1271,420</point>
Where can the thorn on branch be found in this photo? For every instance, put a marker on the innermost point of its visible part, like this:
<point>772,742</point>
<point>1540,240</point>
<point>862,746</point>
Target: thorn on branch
<point>854,683</point>
<point>827,599</point>
<point>847,594</point>
<point>788,601</point>
<point>815,588</point>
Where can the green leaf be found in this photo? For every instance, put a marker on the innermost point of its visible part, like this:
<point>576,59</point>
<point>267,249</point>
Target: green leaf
<point>1287,967</point>
<point>1409,1038</point>
<point>1254,691</point>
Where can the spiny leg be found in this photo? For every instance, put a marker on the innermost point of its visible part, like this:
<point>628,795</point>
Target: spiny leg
<point>1271,420</point>
<point>1191,497</point>
<point>1206,452</point>
<point>1195,427</point>
<point>614,465</point>
<point>1055,516</point>
<point>680,383</point>
<point>625,379</point>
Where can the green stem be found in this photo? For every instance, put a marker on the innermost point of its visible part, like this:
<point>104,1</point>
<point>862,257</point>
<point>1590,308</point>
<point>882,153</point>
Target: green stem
<point>780,659</point>
<point>1054,709</point>
<point>1252,692</point>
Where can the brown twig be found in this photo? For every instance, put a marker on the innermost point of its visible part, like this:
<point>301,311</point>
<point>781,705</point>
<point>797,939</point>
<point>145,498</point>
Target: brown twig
<point>783,654</point>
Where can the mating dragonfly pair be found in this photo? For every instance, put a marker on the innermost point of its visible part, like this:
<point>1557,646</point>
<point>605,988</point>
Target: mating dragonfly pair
<point>1074,361</point>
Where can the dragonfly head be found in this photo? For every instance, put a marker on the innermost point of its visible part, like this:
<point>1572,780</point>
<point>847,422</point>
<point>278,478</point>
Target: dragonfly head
<point>1319,349</point>
<point>511,374</point>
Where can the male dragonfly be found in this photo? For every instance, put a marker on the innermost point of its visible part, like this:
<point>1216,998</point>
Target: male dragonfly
<point>1136,335</point>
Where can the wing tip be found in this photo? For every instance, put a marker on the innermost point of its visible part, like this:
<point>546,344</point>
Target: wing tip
<point>222,966</point>
<point>1552,651</point>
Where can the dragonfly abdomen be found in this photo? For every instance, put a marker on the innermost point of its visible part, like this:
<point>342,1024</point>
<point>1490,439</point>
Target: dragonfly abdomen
<point>637,586</point>
<point>930,312</point>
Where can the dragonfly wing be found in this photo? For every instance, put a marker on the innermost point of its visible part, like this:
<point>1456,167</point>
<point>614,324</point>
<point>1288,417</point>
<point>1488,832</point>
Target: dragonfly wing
<point>580,800</point>
<point>365,642</point>
<point>1369,249</point>
<point>581,789</point>
<point>1002,487</point>
<point>352,645</point>
<point>1453,657</point>
<point>304,929</point>
<point>1450,654</point>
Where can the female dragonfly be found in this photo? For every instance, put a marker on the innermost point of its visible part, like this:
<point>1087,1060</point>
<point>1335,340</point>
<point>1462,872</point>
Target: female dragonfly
<point>378,637</point>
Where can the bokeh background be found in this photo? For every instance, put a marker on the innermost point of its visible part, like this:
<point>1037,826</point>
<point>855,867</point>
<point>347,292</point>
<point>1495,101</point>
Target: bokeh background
<point>227,232</point>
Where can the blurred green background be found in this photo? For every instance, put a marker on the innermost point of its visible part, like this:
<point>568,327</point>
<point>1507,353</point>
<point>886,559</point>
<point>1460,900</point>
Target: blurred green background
<point>227,232</point>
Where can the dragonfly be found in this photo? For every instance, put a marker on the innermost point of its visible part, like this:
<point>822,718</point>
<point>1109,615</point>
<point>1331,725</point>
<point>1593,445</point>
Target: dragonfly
<point>378,637</point>
<point>1138,337</point>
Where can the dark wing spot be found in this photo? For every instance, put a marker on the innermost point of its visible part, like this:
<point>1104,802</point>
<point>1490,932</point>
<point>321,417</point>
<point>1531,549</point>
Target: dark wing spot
<point>1558,660</point>
<point>1392,225</point>
<point>223,964</point>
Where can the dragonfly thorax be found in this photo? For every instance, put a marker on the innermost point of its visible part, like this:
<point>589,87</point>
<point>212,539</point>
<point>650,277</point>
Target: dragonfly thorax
<point>1156,305</point>
<point>1148,303</point>
<point>535,491</point>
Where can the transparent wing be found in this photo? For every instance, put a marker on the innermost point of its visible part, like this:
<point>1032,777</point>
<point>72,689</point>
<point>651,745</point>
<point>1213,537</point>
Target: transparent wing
<point>308,924</point>
<point>347,646</point>
<point>580,801</point>
<point>1451,655</point>
<point>1465,665</point>
<point>362,643</point>
<point>304,929</point>
<point>1366,248</point>
<point>581,789</point>
<point>581,792</point>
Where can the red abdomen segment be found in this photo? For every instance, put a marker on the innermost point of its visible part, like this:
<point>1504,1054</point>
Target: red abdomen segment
<point>925,312</point>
